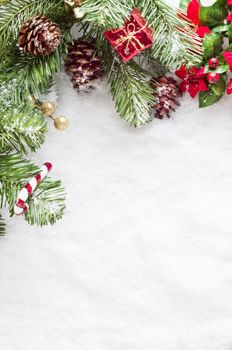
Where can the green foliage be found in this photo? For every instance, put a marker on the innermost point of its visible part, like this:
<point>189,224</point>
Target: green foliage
<point>31,74</point>
<point>47,203</point>
<point>220,29</point>
<point>207,98</point>
<point>175,40</point>
<point>107,14</point>
<point>220,87</point>
<point>212,45</point>
<point>175,43</point>
<point>229,32</point>
<point>222,68</point>
<point>131,92</point>
<point>23,128</point>
<point>213,15</point>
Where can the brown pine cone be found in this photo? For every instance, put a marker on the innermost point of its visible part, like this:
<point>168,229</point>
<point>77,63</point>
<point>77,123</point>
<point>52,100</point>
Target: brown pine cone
<point>83,64</point>
<point>167,94</point>
<point>39,36</point>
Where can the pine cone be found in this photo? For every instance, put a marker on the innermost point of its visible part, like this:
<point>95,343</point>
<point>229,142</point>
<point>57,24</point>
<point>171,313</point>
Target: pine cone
<point>39,36</point>
<point>167,94</point>
<point>82,63</point>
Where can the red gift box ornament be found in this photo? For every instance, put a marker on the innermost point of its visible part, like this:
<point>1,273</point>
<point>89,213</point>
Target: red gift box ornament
<point>135,36</point>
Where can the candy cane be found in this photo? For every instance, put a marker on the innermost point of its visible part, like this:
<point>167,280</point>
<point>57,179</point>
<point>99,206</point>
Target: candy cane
<point>21,207</point>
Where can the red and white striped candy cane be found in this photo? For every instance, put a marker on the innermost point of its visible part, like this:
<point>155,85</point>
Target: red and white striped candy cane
<point>21,206</point>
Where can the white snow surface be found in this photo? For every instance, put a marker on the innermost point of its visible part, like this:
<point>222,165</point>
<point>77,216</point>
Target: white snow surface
<point>143,256</point>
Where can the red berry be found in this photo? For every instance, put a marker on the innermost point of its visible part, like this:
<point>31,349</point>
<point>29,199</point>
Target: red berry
<point>213,63</point>
<point>213,78</point>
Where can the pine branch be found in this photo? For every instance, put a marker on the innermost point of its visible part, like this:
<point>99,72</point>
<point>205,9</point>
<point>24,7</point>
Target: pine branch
<point>106,13</point>
<point>22,131</point>
<point>175,39</point>
<point>2,226</point>
<point>131,92</point>
<point>22,128</point>
<point>46,204</point>
<point>31,75</point>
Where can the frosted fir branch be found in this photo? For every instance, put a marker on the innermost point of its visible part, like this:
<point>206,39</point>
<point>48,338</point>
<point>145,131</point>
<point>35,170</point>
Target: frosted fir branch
<point>32,75</point>
<point>106,13</point>
<point>22,127</point>
<point>131,92</point>
<point>47,203</point>
<point>176,41</point>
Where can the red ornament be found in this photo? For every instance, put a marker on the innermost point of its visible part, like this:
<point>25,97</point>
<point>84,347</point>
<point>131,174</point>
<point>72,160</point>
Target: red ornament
<point>213,63</point>
<point>193,80</point>
<point>229,88</point>
<point>213,78</point>
<point>134,37</point>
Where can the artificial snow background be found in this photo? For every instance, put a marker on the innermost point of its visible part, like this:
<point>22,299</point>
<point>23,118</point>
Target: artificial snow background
<point>143,256</point>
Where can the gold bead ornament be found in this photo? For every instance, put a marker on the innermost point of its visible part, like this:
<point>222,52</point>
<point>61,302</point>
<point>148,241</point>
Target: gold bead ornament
<point>48,108</point>
<point>61,123</point>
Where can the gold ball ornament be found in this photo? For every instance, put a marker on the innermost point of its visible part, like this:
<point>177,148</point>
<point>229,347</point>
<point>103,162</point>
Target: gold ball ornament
<point>48,108</point>
<point>61,123</point>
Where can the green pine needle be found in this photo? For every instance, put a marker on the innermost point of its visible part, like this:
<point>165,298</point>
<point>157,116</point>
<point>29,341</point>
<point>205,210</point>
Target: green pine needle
<point>47,203</point>
<point>131,92</point>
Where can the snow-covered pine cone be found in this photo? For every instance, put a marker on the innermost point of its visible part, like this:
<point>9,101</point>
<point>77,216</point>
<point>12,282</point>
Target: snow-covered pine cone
<point>167,94</point>
<point>83,64</point>
<point>39,36</point>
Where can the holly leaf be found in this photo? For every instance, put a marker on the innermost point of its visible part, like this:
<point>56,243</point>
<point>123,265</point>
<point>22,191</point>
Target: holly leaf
<point>215,92</point>
<point>230,32</point>
<point>219,88</point>
<point>220,29</point>
<point>208,98</point>
<point>214,15</point>
<point>212,45</point>
<point>220,69</point>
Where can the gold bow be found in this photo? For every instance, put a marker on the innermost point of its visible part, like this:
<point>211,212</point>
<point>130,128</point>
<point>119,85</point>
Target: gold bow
<point>130,37</point>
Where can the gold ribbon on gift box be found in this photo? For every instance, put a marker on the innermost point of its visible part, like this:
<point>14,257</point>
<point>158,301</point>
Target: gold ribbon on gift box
<point>130,37</point>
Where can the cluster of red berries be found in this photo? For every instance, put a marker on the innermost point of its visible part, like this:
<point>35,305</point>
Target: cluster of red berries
<point>213,77</point>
